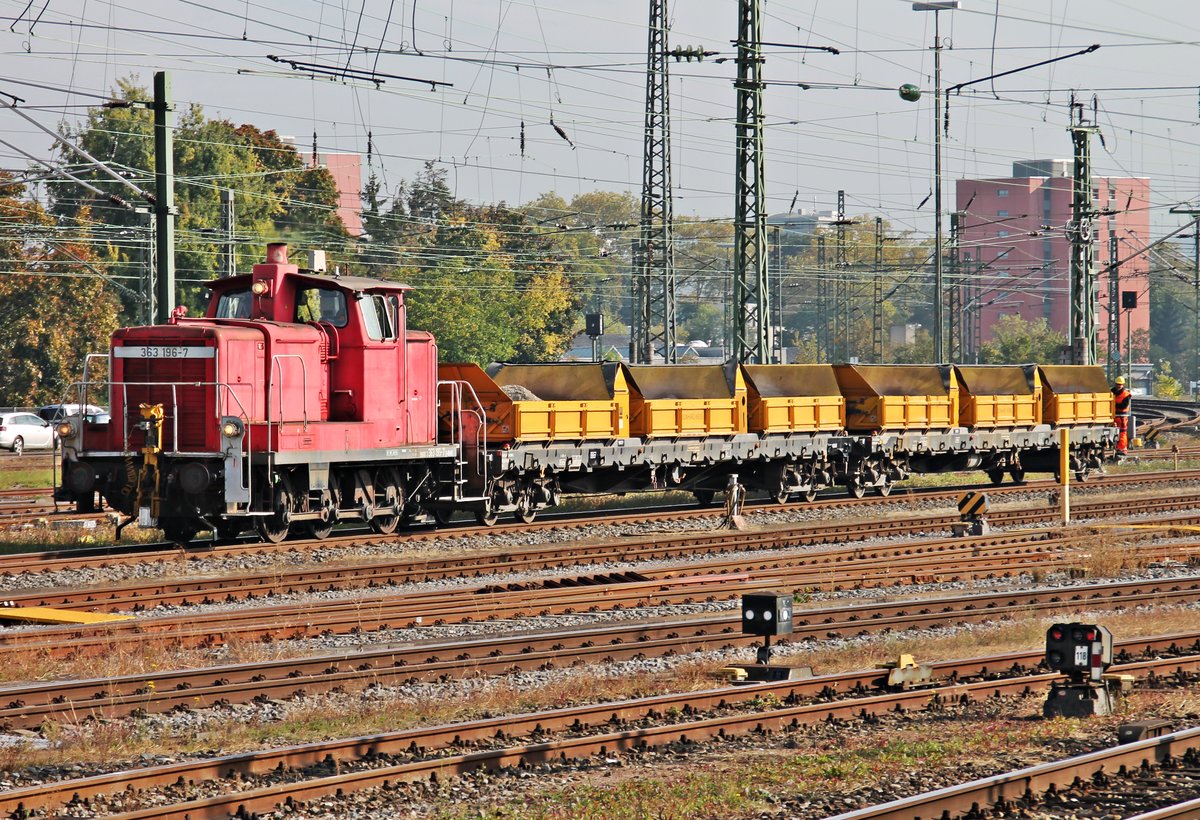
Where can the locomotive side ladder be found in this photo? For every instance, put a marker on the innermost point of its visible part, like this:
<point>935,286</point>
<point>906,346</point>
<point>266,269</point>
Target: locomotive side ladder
<point>466,431</point>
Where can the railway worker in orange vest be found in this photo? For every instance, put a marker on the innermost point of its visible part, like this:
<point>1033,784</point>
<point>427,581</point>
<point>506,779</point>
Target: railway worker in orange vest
<point>1123,399</point>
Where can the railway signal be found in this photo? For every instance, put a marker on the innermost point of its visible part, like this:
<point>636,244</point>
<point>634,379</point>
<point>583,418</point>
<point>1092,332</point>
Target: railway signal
<point>1082,652</point>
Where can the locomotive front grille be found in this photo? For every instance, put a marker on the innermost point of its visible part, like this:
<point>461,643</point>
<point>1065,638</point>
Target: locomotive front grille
<point>188,407</point>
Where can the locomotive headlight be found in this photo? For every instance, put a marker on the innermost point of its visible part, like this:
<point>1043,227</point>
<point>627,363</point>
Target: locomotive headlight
<point>260,288</point>
<point>66,429</point>
<point>231,428</point>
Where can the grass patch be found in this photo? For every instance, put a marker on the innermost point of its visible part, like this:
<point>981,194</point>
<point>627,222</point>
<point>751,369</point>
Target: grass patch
<point>37,478</point>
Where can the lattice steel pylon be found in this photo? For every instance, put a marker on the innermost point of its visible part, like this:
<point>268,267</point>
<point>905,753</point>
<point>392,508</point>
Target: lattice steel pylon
<point>751,296</point>
<point>877,295</point>
<point>1083,242</point>
<point>1112,357</point>
<point>654,284</point>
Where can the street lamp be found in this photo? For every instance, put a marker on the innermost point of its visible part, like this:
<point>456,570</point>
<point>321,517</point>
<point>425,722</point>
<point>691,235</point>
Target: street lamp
<point>937,6</point>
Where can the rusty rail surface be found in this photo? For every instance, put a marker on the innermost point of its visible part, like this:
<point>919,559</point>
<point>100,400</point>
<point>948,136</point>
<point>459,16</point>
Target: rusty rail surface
<point>27,706</point>
<point>84,557</point>
<point>436,749</point>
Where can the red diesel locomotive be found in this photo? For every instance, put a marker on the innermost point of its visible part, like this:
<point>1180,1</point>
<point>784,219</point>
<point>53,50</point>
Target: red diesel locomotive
<point>298,400</point>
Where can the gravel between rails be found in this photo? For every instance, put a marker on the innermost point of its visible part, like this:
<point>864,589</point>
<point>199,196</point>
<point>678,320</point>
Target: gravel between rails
<point>198,564</point>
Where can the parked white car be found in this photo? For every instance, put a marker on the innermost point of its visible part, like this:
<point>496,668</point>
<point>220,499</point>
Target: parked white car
<point>21,431</point>
<point>58,412</point>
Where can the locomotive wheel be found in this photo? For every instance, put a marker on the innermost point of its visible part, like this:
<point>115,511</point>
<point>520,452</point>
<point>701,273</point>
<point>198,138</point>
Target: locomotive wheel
<point>270,528</point>
<point>387,484</point>
<point>274,527</point>
<point>179,532</point>
<point>318,529</point>
<point>996,476</point>
<point>227,530</point>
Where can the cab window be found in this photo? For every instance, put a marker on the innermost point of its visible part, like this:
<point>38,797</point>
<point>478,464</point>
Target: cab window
<point>234,304</point>
<point>379,320</point>
<point>316,304</point>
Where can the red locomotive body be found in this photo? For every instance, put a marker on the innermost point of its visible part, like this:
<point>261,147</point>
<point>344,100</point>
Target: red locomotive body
<point>298,399</point>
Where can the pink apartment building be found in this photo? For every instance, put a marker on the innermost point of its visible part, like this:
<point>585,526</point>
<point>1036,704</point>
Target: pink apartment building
<point>1016,256</point>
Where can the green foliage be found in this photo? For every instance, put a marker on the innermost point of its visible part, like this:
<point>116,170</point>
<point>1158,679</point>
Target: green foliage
<point>1165,385</point>
<point>1016,341</point>
<point>275,192</point>
<point>54,306</point>
<point>489,296</point>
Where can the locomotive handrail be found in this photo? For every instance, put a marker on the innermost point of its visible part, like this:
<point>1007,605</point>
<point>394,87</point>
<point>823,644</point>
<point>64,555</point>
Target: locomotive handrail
<point>458,409</point>
<point>125,385</point>
<point>275,362</point>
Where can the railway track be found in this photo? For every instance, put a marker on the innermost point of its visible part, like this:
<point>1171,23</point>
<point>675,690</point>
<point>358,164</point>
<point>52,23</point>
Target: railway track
<point>260,781</point>
<point>111,555</point>
<point>1133,780</point>
<point>29,705</point>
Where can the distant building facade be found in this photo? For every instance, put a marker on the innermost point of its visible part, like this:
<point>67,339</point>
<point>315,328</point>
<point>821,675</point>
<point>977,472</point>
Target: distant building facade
<point>346,170</point>
<point>1015,254</point>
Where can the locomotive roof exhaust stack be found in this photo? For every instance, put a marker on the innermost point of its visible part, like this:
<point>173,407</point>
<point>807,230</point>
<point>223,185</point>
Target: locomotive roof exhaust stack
<point>277,253</point>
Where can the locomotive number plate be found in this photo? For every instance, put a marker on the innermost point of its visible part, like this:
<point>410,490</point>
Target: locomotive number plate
<point>164,352</point>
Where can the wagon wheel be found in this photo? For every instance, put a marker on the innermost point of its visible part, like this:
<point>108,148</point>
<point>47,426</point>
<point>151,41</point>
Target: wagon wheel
<point>442,516</point>
<point>1018,475</point>
<point>388,484</point>
<point>704,497</point>
<point>885,489</point>
<point>856,488</point>
<point>782,494</point>
<point>810,495</point>
<point>487,517</point>
<point>996,476</point>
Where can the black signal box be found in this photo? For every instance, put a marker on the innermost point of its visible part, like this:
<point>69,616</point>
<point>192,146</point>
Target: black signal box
<point>767,613</point>
<point>1078,650</point>
<point>594,324</point>
<point>1129,299</point>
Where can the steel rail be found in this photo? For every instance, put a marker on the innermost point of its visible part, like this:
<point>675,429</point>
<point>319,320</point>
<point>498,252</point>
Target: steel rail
<point>78,558</point>
<point>452,736</point>
<point>28,705</point>
<point>1011,787</point>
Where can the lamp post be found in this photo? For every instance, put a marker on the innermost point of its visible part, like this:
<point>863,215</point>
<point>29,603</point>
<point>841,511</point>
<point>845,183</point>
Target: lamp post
<point>937,6</point>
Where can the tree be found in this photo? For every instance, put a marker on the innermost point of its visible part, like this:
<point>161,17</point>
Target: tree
<point>1165,386</point>
<point>55,304</point>
<point>1017,341</point>
<point>273,189</point>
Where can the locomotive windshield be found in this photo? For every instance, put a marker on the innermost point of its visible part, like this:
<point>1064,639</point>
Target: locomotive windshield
<point>379,316</point>
<point>316,304</point>
<point>234,304</point>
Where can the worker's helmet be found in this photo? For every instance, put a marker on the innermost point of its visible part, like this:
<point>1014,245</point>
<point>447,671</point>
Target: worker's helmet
<point>1121,380</point>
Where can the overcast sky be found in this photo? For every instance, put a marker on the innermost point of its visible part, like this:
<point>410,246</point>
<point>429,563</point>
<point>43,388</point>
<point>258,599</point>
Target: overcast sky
<point>581,64</point>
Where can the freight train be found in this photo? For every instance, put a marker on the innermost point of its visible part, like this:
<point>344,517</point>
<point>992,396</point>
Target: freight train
<point>301,400</point>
